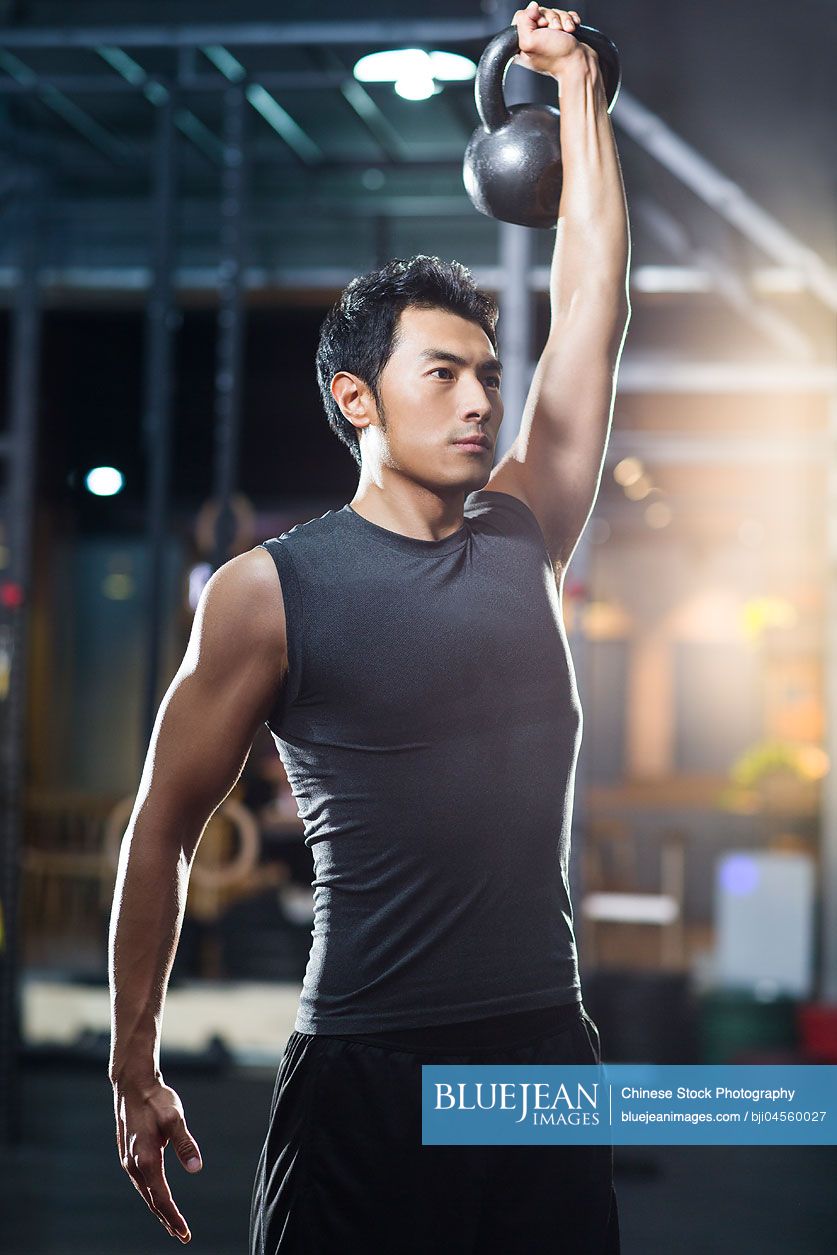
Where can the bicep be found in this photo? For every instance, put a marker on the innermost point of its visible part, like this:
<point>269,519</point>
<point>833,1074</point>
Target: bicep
<point>225,687</point>
<point>556,459</point>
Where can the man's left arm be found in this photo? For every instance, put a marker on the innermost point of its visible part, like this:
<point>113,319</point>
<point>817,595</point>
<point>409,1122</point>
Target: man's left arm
<point>556,460</point>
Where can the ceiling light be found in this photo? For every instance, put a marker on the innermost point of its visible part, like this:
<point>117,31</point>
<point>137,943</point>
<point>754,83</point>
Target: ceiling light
<point>415,74</point>
<point>104,481</point>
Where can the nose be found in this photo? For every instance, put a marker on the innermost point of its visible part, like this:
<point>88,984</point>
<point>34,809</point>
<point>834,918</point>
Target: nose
<point>481,408</point>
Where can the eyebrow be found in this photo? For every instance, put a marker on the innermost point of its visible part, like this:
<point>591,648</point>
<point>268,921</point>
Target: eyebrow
<point>444,355</point>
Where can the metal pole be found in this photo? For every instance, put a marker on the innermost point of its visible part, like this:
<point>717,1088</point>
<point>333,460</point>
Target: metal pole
<point>828,830</point>
<point>230,322</point>
<point>514,328</point>
<point>18,495</point>
<point>514,285</point>
<point>161,323</point>
<point>384,32</point>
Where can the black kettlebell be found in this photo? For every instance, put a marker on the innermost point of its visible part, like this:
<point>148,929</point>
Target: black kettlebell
<point>512,168</point>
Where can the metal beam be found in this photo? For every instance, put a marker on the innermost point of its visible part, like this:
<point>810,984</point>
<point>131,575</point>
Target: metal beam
<point>645,280</point>
<point>157,417</point>
<point>653,374</point>
<point>828,821</point>
<point>724,196</point>
<point>729,448</point>
<point>361,103</point>
<point>155,92</point>
<point>516,299</point>
<point>252,34</point>
<point>768,280</point>
<point>231,321</point>
<point>514,328</point>
<point>729,285</point>
<point>17,509</point>
<point>188,80</point>
<point>71,113</point>
<point>645,127</point>
<point>75,83</point>
<point>285,126</point>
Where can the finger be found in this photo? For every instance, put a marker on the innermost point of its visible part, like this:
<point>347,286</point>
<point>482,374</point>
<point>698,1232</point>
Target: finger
<point>139,1185</point>
<point>120,1126</point>
<point>526,18</point>
<point>169,1214</point>
<point>145,1167</point>
<point>185,1146</point>
<point>169,1217</point>
<point>158,1187</point>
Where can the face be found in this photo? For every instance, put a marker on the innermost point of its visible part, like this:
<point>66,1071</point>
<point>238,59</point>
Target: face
<point>440,385</point>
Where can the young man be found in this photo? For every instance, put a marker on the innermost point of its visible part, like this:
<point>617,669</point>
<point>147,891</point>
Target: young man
<point>412,664</point>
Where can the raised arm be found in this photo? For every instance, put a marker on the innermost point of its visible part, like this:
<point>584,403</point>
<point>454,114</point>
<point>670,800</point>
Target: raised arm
<point>556,460</point>
<point>225,687</point>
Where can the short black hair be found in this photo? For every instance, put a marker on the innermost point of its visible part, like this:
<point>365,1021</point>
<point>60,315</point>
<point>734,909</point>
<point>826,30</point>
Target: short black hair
<point>358,332</point>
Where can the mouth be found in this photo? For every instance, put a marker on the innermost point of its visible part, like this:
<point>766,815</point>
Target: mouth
<point>478,444</point>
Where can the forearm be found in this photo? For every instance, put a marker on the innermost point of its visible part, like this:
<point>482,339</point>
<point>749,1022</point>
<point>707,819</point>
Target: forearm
<point>147,916</point>
<point>592,247</point>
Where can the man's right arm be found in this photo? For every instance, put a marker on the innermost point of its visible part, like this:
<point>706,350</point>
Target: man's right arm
<point>225,688</point>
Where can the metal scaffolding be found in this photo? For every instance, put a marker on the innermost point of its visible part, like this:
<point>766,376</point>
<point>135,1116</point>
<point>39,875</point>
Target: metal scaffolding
<point>17,449</point>
<point>210,58</point>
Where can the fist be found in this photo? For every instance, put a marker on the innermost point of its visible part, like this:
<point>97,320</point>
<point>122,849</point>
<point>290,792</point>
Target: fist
<point>546,37</point>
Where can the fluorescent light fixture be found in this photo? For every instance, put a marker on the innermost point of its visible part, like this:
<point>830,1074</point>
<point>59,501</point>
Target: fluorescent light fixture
<point>416,74</point>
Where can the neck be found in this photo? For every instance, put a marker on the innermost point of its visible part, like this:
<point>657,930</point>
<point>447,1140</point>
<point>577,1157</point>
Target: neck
<point>409,508</point>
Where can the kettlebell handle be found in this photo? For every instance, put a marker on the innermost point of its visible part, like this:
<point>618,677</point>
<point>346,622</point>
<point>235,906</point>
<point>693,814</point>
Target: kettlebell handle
<point>497,56</point>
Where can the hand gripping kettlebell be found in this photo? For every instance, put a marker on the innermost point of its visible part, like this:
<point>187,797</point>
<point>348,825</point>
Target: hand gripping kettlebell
<point>512,168</point>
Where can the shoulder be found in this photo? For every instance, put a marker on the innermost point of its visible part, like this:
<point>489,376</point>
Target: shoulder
<point>504,510</point>
<point>507,509</point>
<point>241,608</point>
<point>246,581</point>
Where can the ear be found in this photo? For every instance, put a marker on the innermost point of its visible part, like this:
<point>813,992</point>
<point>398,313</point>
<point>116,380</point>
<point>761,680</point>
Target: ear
<point>356,402</point>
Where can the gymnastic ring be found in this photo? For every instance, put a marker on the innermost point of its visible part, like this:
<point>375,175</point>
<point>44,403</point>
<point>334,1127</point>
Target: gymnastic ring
<point>230,873</point>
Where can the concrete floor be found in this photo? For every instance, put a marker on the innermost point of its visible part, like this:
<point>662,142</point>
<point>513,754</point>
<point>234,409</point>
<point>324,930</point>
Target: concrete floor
<point>63,1190</point>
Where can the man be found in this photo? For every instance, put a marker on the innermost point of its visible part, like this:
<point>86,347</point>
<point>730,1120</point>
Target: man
<point>411,662</point>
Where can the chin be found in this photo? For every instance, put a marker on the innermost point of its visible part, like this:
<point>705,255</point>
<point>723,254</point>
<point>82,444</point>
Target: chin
<point>469,479</point>
<point>477,478</point>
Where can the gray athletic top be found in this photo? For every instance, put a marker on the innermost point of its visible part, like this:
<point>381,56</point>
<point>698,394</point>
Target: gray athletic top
<point>429,728</point>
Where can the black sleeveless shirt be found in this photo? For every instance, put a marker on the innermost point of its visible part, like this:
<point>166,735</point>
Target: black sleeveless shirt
<point>429,727</point>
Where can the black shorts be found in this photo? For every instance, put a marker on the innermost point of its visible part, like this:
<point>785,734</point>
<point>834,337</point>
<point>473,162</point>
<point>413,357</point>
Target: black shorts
<point>343,1171</point>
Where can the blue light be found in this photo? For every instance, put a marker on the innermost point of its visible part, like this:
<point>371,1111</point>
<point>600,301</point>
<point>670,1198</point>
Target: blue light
<point>739,875</point>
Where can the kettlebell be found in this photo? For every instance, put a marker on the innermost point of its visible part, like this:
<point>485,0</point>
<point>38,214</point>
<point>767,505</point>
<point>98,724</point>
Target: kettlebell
<point>512,168</point>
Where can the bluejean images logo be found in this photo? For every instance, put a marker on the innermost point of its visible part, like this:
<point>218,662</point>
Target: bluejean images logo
<point>538,1101</point>
<point>631,1104</point>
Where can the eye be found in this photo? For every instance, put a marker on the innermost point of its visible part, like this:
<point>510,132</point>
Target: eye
<point>496,378</point>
